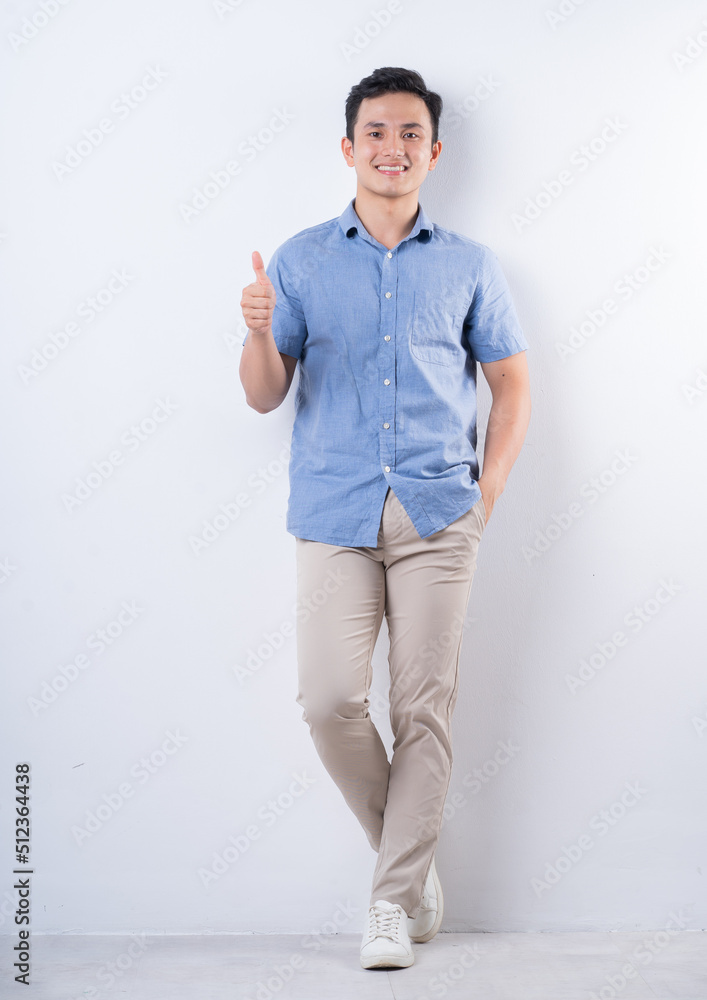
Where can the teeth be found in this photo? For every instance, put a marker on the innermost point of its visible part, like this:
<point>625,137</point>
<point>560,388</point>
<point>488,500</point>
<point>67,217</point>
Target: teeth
<point>382,167</point>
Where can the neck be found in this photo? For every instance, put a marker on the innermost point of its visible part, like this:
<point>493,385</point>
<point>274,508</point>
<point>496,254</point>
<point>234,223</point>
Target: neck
<point>388,220</point>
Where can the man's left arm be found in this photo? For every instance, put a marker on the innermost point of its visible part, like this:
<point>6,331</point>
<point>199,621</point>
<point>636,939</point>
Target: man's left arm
<point>508,421</point>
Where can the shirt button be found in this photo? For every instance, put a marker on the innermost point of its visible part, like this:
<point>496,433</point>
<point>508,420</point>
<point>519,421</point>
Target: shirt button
<point>389,254</point>
<point>386,381</point>
<point>387,295</point>
<point>387,468</point>
<point>387,337</point>
<point>386,426</point>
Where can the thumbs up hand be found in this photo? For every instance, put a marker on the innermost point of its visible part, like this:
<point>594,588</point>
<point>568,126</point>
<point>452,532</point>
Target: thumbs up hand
<point>258,300</point>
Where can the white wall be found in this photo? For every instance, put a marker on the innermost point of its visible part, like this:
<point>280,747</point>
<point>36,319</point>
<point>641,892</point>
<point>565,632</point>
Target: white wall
<point>172,332</point>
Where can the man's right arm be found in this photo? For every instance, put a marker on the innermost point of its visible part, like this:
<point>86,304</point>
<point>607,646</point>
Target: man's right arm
<point>265,373</point>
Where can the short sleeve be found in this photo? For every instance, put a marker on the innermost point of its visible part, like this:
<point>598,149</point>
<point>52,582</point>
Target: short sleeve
<point>492,327</point>
<point>288,324</point>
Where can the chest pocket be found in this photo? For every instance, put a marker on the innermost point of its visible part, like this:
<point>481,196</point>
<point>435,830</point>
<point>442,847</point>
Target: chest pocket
<point>437,321</point>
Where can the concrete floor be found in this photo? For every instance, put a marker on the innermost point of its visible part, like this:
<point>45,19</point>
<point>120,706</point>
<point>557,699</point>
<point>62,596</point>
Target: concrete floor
<point>534,966</point>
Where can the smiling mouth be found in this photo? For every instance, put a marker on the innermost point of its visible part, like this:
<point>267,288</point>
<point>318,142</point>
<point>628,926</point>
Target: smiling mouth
<point>385,168</point>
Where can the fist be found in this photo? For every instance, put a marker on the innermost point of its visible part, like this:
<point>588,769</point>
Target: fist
<point>258,300</point>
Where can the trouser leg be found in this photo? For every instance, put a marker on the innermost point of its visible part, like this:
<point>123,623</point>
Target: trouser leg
<point>428,582</point>
<point>341,598</point>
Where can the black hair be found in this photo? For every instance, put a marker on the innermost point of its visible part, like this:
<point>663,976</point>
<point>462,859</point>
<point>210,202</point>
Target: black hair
<point>392,80</point>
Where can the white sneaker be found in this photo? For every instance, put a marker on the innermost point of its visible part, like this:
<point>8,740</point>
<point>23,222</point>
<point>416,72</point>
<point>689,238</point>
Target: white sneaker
<point>429,917</point>
<point>385,941</point>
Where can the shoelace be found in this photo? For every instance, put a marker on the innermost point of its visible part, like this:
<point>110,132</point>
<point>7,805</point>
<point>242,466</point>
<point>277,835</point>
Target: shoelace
<point>383,923</point>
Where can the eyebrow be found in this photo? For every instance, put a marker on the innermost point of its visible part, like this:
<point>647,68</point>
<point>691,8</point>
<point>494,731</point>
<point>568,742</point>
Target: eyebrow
<point>384,124</point>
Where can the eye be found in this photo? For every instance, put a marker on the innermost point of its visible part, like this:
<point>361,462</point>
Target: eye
<point>407,133</point>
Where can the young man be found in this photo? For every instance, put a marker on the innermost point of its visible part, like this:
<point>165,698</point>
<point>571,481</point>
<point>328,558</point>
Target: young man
<point>388,315</point>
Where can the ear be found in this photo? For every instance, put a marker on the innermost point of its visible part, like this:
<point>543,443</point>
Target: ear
<point>434,155</point>
<point>347,150</point>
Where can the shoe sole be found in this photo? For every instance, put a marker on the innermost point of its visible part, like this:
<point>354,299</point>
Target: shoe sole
<point>390,962</point>
<point>421,938</point>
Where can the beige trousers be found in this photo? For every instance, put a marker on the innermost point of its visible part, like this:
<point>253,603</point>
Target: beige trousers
<point>422,585</point>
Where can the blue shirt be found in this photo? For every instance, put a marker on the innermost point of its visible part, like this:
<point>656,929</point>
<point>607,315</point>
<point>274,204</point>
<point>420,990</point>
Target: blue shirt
<point>387,342</point>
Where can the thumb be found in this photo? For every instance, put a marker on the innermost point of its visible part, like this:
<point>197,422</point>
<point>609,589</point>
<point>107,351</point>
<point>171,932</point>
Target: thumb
<point>259,269</point>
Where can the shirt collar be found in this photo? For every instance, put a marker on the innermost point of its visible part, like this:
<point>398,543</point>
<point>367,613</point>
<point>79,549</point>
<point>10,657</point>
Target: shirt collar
<point>350,223</point>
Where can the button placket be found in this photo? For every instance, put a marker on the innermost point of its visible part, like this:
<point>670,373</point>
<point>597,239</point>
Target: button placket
<point>386,409</point>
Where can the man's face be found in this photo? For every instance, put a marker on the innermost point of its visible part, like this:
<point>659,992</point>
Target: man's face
<point>393,130</point>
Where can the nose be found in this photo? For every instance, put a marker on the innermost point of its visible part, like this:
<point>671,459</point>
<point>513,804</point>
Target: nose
<point>394,146</point>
